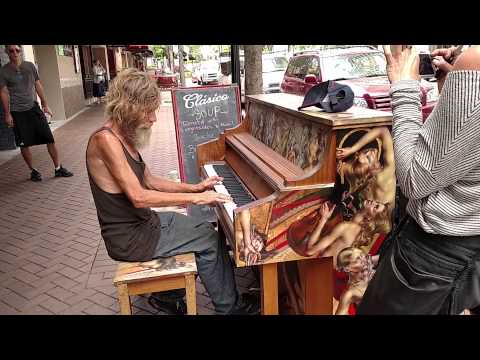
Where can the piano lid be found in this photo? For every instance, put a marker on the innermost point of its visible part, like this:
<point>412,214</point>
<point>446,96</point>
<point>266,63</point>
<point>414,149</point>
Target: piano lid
<point>355,116</point>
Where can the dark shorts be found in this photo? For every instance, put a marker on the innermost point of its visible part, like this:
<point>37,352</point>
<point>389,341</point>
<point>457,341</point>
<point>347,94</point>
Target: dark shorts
<point>31,127</point>
<point>423,273</point>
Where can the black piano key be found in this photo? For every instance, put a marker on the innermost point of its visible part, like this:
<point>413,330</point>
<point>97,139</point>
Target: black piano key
<point>236,190</point>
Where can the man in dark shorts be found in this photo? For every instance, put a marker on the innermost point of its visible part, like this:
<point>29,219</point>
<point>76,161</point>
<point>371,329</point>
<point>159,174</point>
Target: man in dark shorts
<point>19,84</point>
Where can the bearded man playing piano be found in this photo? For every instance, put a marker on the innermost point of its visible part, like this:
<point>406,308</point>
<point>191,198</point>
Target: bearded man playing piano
<point>124,190</point>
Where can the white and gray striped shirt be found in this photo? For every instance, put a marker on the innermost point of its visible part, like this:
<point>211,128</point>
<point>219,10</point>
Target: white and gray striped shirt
<point>438,162</point>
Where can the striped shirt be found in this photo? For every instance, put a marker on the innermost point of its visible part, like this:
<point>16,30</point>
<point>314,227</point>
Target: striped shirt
<point>438,162</point>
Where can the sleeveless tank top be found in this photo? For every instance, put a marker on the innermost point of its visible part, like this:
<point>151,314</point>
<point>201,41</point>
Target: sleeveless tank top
<point>130,234</point>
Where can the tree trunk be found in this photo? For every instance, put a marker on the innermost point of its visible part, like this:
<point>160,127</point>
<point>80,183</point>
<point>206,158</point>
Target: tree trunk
<point>180,65</point>
<point>171,62</point>
<point>253,69</point>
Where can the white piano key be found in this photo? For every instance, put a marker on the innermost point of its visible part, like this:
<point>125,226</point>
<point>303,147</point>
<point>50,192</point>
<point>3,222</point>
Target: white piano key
<point>222,190</point>
<point>229,207</point>
<point>210,170</point>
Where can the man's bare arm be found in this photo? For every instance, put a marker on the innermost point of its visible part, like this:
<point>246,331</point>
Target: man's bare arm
<point>5,96</point>
<point>111,152</point>
<point>157,183</point>
<point>41,93</point>
<point>5,99</point>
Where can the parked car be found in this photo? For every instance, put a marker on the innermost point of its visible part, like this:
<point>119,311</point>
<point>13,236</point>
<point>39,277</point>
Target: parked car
<point>363,68</point>
<point>209,72</point>
<point>165,79</point>
<point>273,70</point>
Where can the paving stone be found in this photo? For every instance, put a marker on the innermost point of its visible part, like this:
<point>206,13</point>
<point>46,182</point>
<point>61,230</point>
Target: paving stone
<point>69,272</point>
<point>98,310</point>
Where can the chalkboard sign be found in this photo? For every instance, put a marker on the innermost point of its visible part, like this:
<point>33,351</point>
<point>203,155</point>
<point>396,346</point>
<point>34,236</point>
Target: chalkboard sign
<point>202,114</point>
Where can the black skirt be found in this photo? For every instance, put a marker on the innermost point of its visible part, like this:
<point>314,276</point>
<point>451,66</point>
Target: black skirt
<point>99,89</point>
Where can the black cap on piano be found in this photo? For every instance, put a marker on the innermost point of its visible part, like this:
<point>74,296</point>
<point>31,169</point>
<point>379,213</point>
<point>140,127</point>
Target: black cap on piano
<point>329,96</point>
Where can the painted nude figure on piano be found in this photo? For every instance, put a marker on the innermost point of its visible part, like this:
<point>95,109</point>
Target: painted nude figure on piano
<point>369,175</point>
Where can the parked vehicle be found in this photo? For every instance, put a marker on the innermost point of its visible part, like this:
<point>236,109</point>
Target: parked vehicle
<point>166,80</point>
<point>363,68</point>
<point>209,72</point>
<point>273,70</point>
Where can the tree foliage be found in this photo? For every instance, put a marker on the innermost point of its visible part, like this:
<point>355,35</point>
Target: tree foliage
<point>159,51</point>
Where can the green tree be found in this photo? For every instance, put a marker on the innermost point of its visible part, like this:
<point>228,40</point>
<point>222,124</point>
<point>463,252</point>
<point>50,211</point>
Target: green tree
<point>195,52</point>
<point>267,48</point>
<point>159,51</point>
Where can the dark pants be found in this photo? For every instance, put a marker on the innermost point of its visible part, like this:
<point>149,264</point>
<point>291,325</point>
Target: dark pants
<point>423,273</point>
<point>183,234</point>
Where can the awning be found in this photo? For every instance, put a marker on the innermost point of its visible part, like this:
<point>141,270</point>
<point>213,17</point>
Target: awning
<point>140,50</point>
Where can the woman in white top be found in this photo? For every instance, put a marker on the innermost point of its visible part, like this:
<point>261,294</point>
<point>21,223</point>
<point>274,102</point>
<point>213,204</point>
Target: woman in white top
<point>98,80</point>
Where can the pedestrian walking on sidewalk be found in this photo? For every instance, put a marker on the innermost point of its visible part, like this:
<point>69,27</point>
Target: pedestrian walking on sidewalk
<point>124,190</point>
<point>19,85</point>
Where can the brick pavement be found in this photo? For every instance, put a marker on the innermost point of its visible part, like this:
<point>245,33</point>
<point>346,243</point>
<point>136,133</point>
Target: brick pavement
<point>52,257</point>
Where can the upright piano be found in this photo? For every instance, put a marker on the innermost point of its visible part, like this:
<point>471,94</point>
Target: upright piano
<point>279,166</point>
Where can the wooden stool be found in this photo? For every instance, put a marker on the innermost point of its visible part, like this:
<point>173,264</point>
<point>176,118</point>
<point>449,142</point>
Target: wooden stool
<point>176,272</point>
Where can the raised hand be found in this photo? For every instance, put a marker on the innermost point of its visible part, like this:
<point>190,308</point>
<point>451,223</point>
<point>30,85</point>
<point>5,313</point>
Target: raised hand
<point>446,54</point>
<point>402,62</point>
<point>325,211</point>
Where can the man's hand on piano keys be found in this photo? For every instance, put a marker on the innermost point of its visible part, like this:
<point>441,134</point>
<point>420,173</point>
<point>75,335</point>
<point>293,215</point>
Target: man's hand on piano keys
<point>210,182</point>
<point>211,198</point>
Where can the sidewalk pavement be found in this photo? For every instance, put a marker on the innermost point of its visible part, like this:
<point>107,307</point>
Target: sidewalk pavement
<point>52,257</point>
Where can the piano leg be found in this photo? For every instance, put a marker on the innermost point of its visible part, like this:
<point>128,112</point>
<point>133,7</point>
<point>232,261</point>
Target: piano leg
<point>317,276</point>
<point>269,289</point>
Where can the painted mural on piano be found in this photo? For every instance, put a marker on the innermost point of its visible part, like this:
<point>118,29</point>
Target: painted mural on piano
<point>348,225</point>
<point>301,142</point>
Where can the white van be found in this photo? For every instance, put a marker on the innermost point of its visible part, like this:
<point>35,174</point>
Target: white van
<point>209,72</point>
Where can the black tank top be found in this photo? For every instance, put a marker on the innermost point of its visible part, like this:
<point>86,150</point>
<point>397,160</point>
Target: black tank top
<point>130,234</point>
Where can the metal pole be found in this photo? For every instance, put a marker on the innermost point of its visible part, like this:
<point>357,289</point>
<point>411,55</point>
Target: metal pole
<point>235,56</point>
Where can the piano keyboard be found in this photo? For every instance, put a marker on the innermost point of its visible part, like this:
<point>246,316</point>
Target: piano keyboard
<point>230,186</point>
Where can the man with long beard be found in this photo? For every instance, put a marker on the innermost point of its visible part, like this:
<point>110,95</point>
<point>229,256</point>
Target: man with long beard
<point>124,189</point>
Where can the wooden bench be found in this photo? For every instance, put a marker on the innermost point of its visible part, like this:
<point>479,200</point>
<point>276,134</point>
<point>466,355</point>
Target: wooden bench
<point>176,272</point>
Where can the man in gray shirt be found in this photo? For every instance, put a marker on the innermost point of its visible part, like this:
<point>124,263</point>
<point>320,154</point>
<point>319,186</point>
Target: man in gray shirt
<point>19,84</point>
